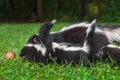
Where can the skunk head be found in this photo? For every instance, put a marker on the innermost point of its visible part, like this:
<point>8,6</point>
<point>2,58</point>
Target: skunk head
<point>38,46</point>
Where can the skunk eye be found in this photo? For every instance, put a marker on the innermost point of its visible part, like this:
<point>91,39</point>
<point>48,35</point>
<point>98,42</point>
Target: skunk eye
<point>36,40</point>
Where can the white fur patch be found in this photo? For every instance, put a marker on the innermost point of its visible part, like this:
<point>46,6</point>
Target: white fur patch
<point>38,47</point>
<point>86,47</point>
<point>113,46</point>
<point>99,31</point>
<point>54,21</point>
<point>82,24</point>
<point>53,32</point>
<point>88,30</point>
<point>113,35</point>
<point>65,47</point>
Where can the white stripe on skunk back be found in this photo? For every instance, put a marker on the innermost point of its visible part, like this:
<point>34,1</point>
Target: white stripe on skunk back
<point>82,24</point>
<point>113,46</point>
<point>65,47</point>
<point>112,34</point>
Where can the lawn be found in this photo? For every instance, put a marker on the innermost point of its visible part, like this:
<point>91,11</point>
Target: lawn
<point>14,36</point>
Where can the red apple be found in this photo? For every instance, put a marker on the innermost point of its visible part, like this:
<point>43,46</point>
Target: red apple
<point>10,55</point>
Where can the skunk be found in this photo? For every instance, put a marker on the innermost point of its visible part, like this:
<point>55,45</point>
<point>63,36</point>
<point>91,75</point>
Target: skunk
<point>41,46</point>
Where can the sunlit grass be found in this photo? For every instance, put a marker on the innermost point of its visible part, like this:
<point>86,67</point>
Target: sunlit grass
<point>14,36</point>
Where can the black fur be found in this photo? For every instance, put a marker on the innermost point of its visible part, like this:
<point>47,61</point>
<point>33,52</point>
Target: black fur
<point>42,39</point>
<point>111,54</point>
<point>73,36</point>
<point>79,56</point>
<point>76,35</point>
<point>45,39</point>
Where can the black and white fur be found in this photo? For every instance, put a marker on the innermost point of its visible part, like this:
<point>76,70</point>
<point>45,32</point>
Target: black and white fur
<point>104,35</point>
<point>109,52</point>
<point>39,45</point>
<point>75,53</point>
<point>40,48</point>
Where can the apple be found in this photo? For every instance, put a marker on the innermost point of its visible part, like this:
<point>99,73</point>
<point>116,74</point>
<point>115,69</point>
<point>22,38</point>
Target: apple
<point>10,55</point>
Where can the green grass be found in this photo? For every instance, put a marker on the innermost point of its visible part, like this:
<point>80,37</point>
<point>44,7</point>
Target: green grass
<point>14,36</point>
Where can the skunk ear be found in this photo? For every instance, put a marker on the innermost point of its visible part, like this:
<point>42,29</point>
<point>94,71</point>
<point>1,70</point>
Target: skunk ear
<point>45,28</point>
<point>89,33</point>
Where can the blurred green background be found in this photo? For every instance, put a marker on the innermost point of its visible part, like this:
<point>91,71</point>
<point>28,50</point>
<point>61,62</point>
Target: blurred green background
<point>62,10</point>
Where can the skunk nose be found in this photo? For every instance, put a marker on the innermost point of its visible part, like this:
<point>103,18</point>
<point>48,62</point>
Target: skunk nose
<point>22,56</point>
